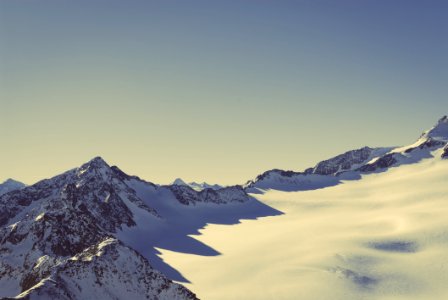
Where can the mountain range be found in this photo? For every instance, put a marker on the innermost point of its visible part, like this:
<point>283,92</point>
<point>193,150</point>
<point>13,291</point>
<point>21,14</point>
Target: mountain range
<point>94,231</point>
<point>352,164</point>
<point>197,186</point>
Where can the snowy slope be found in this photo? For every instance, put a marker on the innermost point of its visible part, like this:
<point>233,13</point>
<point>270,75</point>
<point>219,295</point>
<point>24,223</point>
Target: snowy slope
<point>183,212</point>
<point>94,231</point>
<point>97,232</point>
<point>10,185</point>
<point>379,238</point>
<point>351,164</point>
<point>53,240</point>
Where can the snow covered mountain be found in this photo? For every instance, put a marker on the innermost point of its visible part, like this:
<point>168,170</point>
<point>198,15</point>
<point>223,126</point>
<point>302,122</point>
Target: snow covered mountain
<point>432,139</point>
<point>10,185</point>
<point>58,240</point>
<point>81,234</point>
<point>97,232</point>
<point>204,185</point>
<point>179,181</point>
<point>379,238</point>
<point>187,195</point>
<point>351,164</point>
<point>197,186</point>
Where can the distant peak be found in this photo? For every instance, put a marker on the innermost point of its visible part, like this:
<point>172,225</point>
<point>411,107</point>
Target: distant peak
<point>443,119</point>
<point>179,181</point>
<point>439,131</point>
<point>10,185</point>
<point>12,181</point>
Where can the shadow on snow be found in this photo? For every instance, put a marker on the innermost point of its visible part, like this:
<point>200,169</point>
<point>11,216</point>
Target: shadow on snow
<point>178,222</point>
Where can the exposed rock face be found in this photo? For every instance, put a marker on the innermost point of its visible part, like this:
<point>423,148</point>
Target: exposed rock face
<point>343,162</point>
<point>57,240</point>
<point>352,163</point>
<point>426,144</point>
<point>107,270</point>
<point>383,162</point>
<point>204,185</point>
<point>60,238</point>
<point>439,131</point>
<point>445,152</point>
<point>196,186</point>
<point>322,175</point>
<point>188,196</point>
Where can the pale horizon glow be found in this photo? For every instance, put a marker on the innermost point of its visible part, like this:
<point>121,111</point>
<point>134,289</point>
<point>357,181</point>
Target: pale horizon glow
<point>213,91</point>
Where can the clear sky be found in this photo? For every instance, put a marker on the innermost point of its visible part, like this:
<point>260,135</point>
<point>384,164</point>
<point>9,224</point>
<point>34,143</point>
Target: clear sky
<point>214,90</point>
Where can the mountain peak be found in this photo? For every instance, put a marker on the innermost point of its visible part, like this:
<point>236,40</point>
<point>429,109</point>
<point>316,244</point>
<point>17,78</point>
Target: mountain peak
<point>439,131</point>
<point>97,165</point>
<point>444,119</point>
<point>10,185</point>
<point>179,181</point>
<point>12,181</point>
<point>97,161</point>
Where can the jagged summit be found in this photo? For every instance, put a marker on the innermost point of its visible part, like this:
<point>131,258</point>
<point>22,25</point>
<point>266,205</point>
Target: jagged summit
<point>60,230</point>
<point>439,131</point>
<point>96,169</point>
<point>46,228</point>
<point>95,163</point>
<point>98,160</point>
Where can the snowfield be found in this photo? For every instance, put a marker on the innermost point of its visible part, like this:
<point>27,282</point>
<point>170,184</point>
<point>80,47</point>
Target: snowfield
<point>366,224</point>
<point>382,237</point>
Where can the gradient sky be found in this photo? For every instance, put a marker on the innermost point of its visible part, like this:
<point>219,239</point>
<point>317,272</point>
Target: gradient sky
<point>214,90</point>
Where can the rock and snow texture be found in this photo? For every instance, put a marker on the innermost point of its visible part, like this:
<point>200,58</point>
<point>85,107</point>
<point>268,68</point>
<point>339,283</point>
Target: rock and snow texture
<point>197,186</point>
<point>187,195</point>
<point>107,270</point>
<point>439,131</point>
<point>434,138</point>
<point>445,152</point>
<point>93,232</point>
<point>347,161</point>
<point>58,240</point>
<point>379,238</point>
<point>351,164</point>
<point>10,185</point>
<point>204,185</point>
<point>96,232</point>
<point>289,181</point>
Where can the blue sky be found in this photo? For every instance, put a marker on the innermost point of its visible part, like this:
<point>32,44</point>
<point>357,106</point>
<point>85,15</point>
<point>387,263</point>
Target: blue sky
<point>214,90</point>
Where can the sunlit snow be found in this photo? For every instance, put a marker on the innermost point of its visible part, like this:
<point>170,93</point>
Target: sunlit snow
<point>382,237</point>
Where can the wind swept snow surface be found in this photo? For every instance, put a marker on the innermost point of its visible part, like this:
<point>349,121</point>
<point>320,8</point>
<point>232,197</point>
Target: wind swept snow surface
<point>382,237</point>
